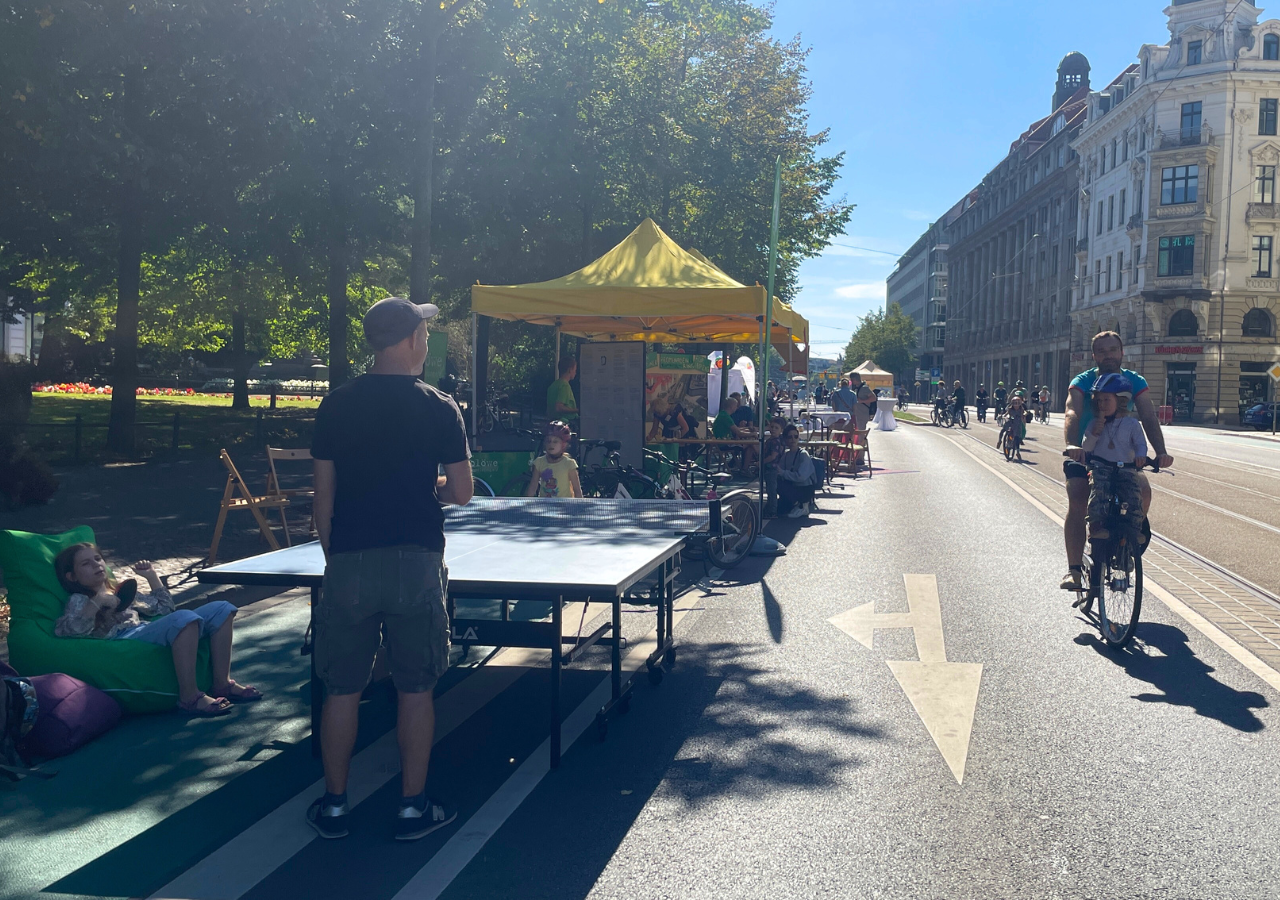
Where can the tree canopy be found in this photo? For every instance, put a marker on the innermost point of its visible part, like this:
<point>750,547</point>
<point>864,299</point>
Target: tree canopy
<point>888,338</point>
<point>243,179</point>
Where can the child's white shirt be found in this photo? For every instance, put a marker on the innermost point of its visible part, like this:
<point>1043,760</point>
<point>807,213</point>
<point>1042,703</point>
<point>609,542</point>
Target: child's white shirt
<point>1121,440</point>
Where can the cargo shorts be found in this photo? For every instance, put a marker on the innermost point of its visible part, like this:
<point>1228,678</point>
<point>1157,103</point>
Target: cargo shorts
<point>392,596</point>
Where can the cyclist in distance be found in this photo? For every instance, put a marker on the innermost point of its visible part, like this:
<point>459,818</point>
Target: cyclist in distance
<point>958,398</point>
<point>981,401</point>
<point>1108,356</point>
<point>1002,398</point>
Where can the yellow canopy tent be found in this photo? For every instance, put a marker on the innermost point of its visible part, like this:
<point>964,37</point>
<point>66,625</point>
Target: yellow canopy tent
<point>648,288</point>
<point>875,377</point>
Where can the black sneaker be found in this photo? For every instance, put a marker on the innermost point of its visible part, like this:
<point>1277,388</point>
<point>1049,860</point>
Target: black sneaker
<point>420,816</point>
<point>328,821</point>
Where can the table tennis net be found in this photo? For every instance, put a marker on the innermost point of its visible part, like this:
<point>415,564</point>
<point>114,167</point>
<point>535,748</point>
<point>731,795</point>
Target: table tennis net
<point>592,515</point>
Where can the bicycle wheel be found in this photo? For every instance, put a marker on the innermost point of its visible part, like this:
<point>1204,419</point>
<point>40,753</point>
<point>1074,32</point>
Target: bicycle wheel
<point>1006,444</point>
<point>1120,594</point>
<point>739,525</point>
<point>480,488</point>
<point>937,419</point>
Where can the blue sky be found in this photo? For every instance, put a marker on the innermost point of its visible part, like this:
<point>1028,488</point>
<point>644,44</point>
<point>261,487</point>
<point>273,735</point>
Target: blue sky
<point>924,99</point>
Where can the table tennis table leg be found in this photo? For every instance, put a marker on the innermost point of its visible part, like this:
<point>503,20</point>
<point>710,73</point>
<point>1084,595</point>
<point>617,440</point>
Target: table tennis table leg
<point>615,652</point>
<point>557,617</point>
<point>316,690</point>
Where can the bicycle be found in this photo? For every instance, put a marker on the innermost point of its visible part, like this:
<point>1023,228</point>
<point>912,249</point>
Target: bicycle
<point>1009,442</point>
<point>1114,566</point>
<point>942,415</point>
<point>958,416</point>
<point>982,413</point>
<point>1000,413</point>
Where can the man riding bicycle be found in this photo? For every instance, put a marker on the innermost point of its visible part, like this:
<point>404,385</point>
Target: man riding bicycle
<point>958,397</point>
<point>1002,398</point>
<point>981,401</point>
<point>1108,356</point>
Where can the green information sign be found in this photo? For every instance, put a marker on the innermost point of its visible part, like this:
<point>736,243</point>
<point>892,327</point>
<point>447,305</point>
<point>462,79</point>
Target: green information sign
<point>680,362</point>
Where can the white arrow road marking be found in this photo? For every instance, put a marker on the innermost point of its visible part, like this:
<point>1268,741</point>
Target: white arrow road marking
<point>944,694</point>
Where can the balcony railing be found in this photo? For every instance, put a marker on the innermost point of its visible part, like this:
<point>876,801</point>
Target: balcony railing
<point>1184,137</point>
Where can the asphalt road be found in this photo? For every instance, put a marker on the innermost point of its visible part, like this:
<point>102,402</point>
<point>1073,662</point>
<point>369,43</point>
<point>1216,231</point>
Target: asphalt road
<point>1220,499</point>
<point>781,758</point>
<point>903,706</point>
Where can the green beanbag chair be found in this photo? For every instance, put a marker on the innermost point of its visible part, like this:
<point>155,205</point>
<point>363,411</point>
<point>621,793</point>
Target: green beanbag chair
<point>137,674</point>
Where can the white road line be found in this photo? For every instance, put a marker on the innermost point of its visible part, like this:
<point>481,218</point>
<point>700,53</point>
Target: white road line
<point>433,878</point>
<point>235,867</point>
<point>1189,615</point>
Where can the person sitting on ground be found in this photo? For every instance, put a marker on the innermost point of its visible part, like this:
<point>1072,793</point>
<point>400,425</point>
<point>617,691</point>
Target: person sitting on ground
<point>797,476</point>
<point>773,450</point>
<point>1114,437</point>
<point>555,473</point>
<point>99,608</point>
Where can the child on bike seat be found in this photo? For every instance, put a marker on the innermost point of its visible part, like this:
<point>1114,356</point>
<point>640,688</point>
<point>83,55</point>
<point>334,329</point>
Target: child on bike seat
<point>1113,437</point>
<point>555,472</point>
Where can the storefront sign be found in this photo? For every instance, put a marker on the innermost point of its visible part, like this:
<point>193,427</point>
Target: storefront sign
<point>1176,351</point>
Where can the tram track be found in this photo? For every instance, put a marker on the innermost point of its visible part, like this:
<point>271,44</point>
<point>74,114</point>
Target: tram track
<point>1186,552</point>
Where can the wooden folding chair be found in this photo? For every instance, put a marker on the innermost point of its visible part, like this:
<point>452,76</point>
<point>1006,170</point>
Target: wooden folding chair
<point>246,499</point>
<point>275,490</point>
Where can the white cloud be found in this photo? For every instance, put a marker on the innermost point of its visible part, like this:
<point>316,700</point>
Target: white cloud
<point>875,290</point>
<point>915,215</point>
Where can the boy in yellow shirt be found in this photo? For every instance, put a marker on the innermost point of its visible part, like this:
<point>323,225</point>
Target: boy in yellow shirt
<point>555,473</point>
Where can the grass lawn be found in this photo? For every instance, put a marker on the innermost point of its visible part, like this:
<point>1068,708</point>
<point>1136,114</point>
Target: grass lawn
<point>204,425</point>
<point>906,417</point>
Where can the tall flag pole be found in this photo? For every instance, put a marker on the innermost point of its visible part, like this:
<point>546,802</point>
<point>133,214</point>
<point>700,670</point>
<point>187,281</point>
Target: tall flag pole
<point>766,326</point>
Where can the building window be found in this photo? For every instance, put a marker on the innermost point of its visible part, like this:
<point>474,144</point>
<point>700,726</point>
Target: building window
<point>1108,274</point>
<point>1111,212</point>
<point>1183,324</point>
<point>1267,116</point>
<point>1177,255</point>
<point>1053,261</point>
<point>1125,145</point>
<point>1142,141</point>
<point>1097,277</point>
<point>1101,210</point>
<point>1191,115</point>
<point>1195,52</point>
<point>1257,323</point>
<point>1120,271</point>
<point>1115,152</point>
<point>1262,256</point>
<point>1061,154</point>
<point>1265,185</point>
<point>1122,199</point>
<point>1271,47</point>
<point>1179,184</point>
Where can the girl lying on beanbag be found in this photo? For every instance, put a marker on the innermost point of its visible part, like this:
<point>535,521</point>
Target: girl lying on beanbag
<point>98,608</point>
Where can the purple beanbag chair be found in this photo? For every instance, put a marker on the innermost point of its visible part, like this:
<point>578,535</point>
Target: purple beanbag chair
<point>72,714</point>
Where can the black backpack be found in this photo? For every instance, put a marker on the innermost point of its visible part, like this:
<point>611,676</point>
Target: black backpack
<point>18,711</point>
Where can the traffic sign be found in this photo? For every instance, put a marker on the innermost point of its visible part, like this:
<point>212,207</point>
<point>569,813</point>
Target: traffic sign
<point>921,374</point>
<point>1274,371</point>
<point>936,373</point>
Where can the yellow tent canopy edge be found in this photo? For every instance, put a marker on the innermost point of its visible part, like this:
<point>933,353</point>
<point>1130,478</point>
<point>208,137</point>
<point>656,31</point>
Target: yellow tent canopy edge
<point>646,288</point>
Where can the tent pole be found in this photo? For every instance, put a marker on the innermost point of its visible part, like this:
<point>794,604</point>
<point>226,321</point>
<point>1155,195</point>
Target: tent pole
<point>766,323</point>
<point>557,348</point>
<point>474,359</point>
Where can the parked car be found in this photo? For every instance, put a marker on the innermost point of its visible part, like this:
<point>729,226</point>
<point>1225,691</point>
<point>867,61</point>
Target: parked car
<point>1260,416</point>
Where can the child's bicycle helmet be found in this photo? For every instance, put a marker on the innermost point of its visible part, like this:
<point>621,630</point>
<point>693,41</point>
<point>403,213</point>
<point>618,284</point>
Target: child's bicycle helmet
<point>1113,383</point>
<point>558,429</point>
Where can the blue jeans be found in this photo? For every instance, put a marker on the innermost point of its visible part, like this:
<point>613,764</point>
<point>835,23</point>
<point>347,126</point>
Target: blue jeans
<point>164,630</point>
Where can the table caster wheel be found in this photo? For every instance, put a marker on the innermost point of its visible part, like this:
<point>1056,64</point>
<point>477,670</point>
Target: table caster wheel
<point>602,727</point>
<point>656,675</point>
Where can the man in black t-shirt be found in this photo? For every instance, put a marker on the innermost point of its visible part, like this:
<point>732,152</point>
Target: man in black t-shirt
<point>379,443</point>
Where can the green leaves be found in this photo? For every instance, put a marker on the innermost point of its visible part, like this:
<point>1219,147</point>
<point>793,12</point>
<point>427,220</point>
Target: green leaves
<point>887,337</point>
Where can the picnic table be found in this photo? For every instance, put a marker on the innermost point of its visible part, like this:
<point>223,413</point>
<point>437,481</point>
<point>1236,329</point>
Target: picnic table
<point>549,550</point>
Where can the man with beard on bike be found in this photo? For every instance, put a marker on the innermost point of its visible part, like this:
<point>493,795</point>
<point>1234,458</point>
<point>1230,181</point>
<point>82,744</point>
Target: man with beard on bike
<point>981,401</point>
<point>1108,356</point>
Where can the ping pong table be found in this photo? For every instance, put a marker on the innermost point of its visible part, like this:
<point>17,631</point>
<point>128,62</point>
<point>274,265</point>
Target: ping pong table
<point>556,551</point>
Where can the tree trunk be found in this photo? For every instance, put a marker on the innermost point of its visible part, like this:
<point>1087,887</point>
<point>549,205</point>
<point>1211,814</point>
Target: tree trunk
<point>424,152</point>
<point>339,370</point>
<point>239,357</point>
<point>124,377</point>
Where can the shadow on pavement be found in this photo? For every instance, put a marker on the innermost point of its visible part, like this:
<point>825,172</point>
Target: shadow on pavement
<point>722,728</point>
<point>1182,677</point>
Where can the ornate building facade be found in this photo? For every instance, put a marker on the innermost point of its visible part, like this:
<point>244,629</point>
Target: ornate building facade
<point>1179,220</point>
<point>1012,255</point>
